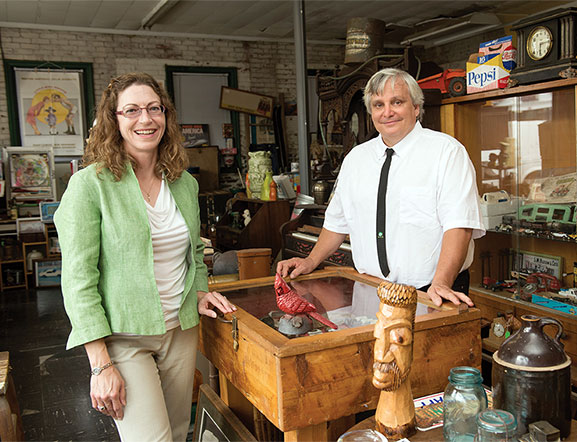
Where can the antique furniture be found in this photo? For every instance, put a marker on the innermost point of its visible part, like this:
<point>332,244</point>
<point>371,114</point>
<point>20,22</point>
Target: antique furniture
<point>532,130</point>
<point>261,231</point>
<point>300,234</point>
<point>297,383</point>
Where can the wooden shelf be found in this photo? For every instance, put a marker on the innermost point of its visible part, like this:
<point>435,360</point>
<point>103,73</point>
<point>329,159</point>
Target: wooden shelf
<point>525,235</point>
<point>9,261</point>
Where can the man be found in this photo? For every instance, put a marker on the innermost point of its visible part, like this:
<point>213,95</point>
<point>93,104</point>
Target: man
<point>432,210</point>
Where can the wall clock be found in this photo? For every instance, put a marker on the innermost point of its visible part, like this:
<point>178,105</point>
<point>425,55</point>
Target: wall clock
<point>547,46</point>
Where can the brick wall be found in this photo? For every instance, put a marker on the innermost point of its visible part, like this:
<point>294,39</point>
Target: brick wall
<point>263,67</point>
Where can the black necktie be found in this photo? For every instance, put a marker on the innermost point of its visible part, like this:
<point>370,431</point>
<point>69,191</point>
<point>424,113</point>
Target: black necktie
<point>382,214</point>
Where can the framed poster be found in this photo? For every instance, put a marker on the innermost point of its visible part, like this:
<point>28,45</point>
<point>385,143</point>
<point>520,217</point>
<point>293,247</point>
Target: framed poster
<point>47,272</point>
<point>48,104</point>
<point>246,101</point>
<point>215,421</point>
<point>195,135</point>
<point>30,173</point>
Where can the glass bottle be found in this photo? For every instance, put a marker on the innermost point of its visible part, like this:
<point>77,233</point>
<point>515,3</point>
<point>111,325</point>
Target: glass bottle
<point>463,400</point>
<point>368,435</point>
<point>496,426</point>
<point>273,191</point>
<point>265,192</point>
<point>247,184</point>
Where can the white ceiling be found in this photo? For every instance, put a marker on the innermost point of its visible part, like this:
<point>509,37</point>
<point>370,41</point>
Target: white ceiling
<point>267,19</point>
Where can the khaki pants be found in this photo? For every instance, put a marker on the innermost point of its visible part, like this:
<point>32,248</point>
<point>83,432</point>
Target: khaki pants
<point>158,372</point>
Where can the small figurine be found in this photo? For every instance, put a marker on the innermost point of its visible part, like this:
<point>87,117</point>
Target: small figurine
<point>289,301</point>
<point>246,216</point>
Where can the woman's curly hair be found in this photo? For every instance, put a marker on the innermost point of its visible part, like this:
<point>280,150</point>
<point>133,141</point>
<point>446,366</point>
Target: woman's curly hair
<point>105,146</point>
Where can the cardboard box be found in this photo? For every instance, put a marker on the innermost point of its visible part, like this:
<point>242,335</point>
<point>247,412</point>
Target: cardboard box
<point>487,76</point>
<point>493,48</point>
<point>555,305</point>
<point>504,208</point>
<point>490,222</point>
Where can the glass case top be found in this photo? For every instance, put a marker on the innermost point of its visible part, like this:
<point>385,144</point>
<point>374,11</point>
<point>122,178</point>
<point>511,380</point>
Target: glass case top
<point>345,302</point>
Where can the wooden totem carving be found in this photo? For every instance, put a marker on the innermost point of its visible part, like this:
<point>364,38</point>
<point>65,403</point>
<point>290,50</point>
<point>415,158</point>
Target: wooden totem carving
<point>393,356</point>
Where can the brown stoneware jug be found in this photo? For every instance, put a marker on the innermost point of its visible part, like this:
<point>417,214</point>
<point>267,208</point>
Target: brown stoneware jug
<point>532,376</point>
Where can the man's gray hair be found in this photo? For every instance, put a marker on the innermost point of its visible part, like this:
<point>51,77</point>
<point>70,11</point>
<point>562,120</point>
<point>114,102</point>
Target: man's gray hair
<point>376,85</point>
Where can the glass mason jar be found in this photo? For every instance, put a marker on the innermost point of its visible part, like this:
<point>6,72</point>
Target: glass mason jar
<point>463,400</point>
<point>496,426</point>
<point>362,436</point>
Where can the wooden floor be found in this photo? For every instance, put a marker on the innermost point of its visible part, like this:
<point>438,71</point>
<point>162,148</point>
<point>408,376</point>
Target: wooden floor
<point>52,384</point>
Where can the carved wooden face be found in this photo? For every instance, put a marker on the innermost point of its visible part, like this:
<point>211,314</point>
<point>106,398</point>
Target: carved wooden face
<point>393,352</point>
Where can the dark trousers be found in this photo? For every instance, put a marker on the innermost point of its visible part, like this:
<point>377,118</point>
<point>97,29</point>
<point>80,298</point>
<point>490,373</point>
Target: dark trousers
<point>461,283</point>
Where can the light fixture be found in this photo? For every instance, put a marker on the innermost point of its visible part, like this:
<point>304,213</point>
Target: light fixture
<point>483,20</point>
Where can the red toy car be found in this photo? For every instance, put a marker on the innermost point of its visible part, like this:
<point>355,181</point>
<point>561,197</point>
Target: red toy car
<point>451,81</point>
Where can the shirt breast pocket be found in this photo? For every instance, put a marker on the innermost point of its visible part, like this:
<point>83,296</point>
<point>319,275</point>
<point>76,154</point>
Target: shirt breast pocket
<point>418,207</point>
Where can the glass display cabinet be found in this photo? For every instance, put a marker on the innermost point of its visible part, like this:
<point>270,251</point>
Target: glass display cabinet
<point>522,142</point>
<point>311,386</point>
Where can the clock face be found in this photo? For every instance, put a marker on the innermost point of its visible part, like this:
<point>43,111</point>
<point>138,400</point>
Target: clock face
<point>498,329</point>
<point>539,43</point>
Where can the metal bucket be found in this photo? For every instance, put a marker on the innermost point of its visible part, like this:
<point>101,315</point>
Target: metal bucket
<point>365,37</point>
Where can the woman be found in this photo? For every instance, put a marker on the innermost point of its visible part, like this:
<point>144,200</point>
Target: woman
<point>133,277</point>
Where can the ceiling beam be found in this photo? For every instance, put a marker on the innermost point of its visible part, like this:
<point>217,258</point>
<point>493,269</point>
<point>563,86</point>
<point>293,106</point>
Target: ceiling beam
<point>161,8</point>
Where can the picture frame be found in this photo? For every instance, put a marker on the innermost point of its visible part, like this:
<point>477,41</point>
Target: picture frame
<point>47,272</point>
<point>29,226</point>
<point>246,101</point>
<point>195,135</point>
<point>30,173</point>
<point>215,421</point>
<point>68,88</point>
<point>47,209</point>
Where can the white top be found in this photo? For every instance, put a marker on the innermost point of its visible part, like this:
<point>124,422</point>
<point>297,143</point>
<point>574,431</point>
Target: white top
<point>431,189</point>
<point>170,244</point>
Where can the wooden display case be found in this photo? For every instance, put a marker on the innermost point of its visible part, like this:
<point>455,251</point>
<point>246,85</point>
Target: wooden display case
<point>310,387</point>
<point>523,140</point>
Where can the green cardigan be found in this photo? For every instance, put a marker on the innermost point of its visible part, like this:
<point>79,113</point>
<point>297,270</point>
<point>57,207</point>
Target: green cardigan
<point>108,280</point>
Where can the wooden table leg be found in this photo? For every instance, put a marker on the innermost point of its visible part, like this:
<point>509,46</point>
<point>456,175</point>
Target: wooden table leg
<point>324,432</point>
<point>236,401</point>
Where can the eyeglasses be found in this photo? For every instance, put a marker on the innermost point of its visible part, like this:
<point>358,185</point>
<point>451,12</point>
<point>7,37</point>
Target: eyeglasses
<point>132,111</point>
